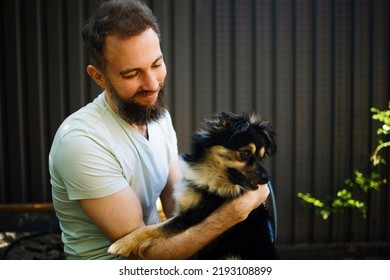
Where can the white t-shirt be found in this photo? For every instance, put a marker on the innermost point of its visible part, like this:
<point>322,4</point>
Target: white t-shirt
<point>95,153</point>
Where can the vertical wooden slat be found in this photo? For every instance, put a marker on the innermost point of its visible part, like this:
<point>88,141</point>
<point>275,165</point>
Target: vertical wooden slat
<point>203,79</point>
<point>380,99</point>
<point>304,28</point>
<point>182,71</point>
<point>15,107</point>
<point>243,56</point>
<point>55,65</point>
<point>323,112</point>
<point>75,55</point>
<point>342,107</point>
<point>264,59</point>
<point>386,189</point>
<point>361,104</point>
<point>34,96</point>
<point>284,119</point>
<point>3,128</point>
<point>223,59</point>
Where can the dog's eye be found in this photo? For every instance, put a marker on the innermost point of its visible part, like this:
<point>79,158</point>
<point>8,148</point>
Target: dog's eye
<point>245,154</point>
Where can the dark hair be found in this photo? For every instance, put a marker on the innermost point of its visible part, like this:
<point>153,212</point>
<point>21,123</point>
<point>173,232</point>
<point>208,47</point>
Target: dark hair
<point>124,18</point>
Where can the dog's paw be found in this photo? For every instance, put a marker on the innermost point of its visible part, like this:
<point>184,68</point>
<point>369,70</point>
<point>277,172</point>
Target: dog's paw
<point>135,242</point>
<point>122,247</point>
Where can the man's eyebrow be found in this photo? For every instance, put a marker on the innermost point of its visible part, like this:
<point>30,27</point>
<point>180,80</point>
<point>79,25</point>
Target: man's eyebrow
<point>128,70</point>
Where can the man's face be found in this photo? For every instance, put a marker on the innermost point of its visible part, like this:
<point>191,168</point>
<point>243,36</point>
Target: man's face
<point>135,75</point>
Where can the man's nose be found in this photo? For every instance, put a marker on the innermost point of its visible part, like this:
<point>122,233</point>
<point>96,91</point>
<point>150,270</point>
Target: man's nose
<point>150,82</point>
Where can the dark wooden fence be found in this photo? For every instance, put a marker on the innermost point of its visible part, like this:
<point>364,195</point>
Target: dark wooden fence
<point>313,67</point>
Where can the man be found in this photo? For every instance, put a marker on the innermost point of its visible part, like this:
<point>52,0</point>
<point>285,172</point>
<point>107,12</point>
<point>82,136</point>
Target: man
<point>112,159</point>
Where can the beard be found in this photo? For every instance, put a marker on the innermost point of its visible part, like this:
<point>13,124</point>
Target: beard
<point>137,114</point>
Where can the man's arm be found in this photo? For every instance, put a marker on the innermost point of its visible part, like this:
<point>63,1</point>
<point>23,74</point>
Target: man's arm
<point>115,215</point>
<point>184,245</point>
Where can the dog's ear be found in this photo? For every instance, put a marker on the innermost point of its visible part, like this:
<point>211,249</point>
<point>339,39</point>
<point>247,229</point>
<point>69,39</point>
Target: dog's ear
<point>239,124</point>
<point>270,134</point>
<point>227,120</point>
<point>267,129</point>
<point>218,122</point>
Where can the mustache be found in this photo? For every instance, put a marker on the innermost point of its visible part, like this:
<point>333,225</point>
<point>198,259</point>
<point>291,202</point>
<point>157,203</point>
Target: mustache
<point>146,92</point>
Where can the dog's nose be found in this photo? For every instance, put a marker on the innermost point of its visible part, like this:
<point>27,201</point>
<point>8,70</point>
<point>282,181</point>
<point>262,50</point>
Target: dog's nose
<point>264,177</point>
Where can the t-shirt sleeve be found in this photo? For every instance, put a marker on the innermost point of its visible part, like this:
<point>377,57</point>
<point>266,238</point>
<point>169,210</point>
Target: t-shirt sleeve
<point>87,167</point>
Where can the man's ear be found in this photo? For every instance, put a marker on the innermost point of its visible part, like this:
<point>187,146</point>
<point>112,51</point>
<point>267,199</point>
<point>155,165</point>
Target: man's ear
<point>97,76</point>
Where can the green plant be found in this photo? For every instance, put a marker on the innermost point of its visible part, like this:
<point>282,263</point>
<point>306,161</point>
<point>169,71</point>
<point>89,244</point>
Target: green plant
<point>346,196</point>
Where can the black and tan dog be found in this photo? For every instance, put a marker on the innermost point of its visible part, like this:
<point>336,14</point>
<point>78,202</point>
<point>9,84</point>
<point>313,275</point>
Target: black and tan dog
<point>227,159</point>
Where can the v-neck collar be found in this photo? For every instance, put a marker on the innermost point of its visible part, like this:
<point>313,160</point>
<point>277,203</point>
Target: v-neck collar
<point>130,130</point>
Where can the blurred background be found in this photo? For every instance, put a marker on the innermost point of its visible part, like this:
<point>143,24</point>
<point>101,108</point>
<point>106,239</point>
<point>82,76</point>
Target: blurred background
<point>315,68</point>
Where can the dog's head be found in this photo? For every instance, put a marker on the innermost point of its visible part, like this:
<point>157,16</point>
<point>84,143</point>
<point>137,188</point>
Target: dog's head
<point>230,150</point>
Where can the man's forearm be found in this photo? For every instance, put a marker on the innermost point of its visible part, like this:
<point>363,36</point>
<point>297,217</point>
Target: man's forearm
<point>185,244</point>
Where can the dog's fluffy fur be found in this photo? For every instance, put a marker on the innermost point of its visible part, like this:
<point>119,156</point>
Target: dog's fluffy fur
<point>227,159</point>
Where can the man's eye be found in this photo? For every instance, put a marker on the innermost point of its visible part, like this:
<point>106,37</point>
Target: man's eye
<point>245,155</point>
<point>130,76</point>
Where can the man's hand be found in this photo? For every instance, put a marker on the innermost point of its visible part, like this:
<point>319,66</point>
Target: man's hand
<point>246,203</point>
